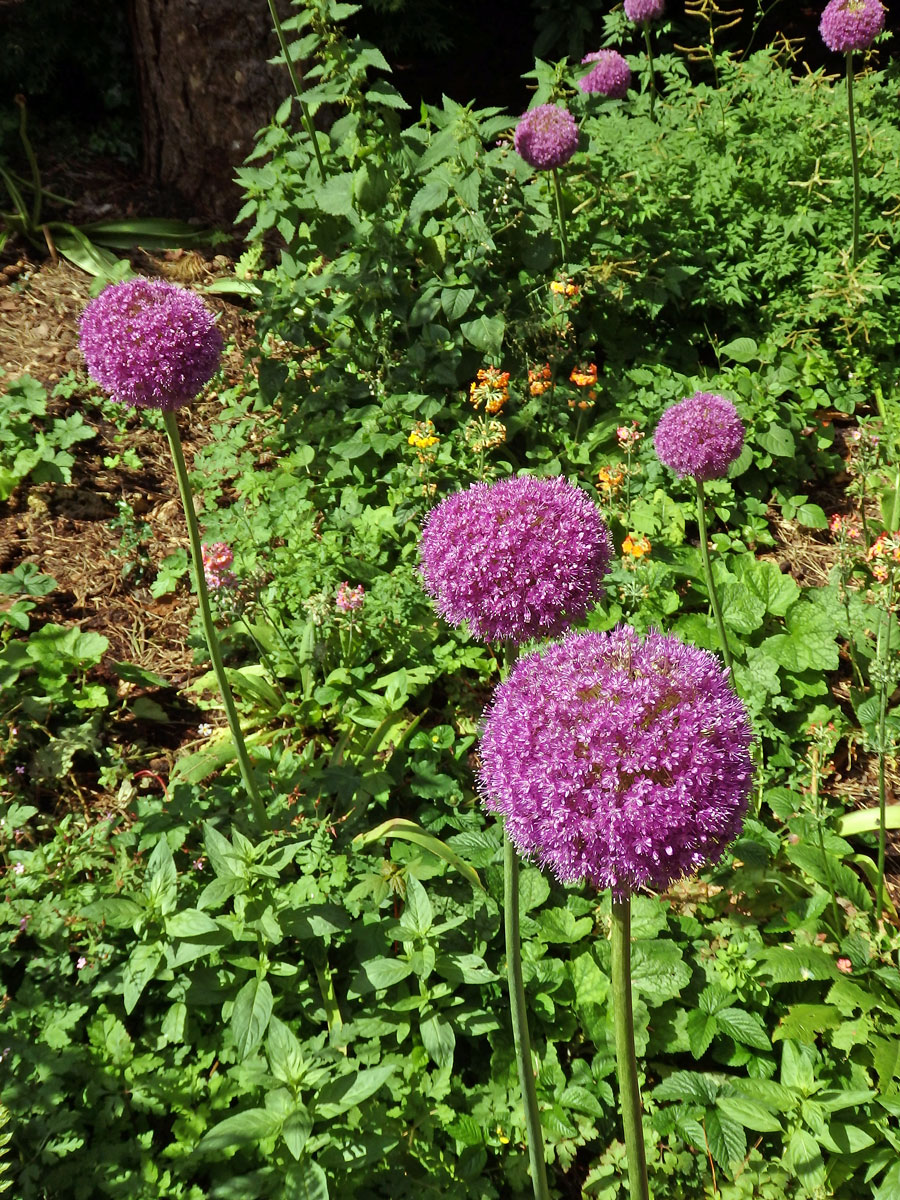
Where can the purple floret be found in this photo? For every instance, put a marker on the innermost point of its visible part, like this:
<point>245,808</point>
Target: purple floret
<point>610,77</point>
<point>851,24</point>
<point>700,436</point>
<point>644,10</point>
<point>546,136</point>
<point>518,559</point>
<point>150,343</point>
<point>620,761</point>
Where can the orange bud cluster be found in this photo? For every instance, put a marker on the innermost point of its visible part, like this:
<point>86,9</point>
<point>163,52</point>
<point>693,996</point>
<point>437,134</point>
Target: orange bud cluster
<point>636,545</point>
<point>491,388</point>
<point>539,379</point>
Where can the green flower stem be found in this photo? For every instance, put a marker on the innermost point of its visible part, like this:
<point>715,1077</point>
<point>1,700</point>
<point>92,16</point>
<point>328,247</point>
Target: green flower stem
<point>648,42</point>
<point>519,1014</point>
<point>32,163</point>
<point>209,629</point>
<point>854,156</point>
<point>710,585</point>
<point>883,654</point>
<point>563,241</point>
<point>304,111</point>
<point>629,1090</point>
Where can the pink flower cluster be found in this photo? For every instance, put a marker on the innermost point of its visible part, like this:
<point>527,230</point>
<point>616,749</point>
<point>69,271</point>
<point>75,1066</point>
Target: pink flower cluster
<point>700,436</point>
<point>851,24</point>
<point>610,76</point>
<point>217,558</point>
<point>546,136</point>
<point>347,598</point>
<point>644,10</point>
<point>629,436</point>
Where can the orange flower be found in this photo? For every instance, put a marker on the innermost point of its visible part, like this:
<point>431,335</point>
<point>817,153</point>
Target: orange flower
<point>539,379</point>
<point>564,287</point>
<point>610,478</point>
<point>636,545</point>
<point>490,389</point>
<point>584,376</point>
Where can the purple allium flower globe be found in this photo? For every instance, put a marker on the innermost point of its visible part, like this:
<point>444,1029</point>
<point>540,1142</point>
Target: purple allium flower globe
<point>610,77</point>
<point>622,761</point>
<point>851,24</point>
<point>700,436</point>
<point>518,559</point>
<point>150,343</point>
<point>546,136</point>
<point>644,10</point>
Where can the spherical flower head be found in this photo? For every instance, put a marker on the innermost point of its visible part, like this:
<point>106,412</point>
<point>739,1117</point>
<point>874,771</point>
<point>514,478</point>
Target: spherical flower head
<point>546,136</point>
<point>150,344</point>
<point>700,436</point>
<point>851,24</point>
<point>518,559</point>
<point>644,10</point>
<point>610,77</point>
<point>622,761</point>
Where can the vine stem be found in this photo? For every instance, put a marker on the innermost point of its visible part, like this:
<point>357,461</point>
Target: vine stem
<point>209,629</point>
<point>563,241</point>
<point>519,1015</point>
<point>648,42</point>
<point>623,1017</point>
<point>710,584</point>
<point>304,111</point>
<point>854,156</point>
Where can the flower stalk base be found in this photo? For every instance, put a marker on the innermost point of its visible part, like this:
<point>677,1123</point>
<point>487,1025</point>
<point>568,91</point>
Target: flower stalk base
<point>623,1016</point>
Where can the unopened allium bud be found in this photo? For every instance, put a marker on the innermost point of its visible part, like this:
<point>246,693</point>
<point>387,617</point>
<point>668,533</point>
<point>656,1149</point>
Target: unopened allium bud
<point>851,24</point>
<point>611,75</point>
<point>616,759</point>
<point>546,136</point>
<point>700,436</point>
<point>150,343</point>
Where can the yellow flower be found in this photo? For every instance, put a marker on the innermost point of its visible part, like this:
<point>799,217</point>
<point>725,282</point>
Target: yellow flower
<point>423,435</point>
<point>564,287</point>
<point>584,376</point>
<point>636,545</point>
<point>610,478</point>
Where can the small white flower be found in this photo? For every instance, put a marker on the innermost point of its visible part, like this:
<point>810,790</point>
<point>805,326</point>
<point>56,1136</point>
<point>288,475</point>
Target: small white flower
<point>19,868</point>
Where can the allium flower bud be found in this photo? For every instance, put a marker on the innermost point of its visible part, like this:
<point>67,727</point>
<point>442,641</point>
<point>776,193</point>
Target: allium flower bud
<point>546,136</point>
<point>700,436</point>
<point>610,77</point>
<point>518,559</point>
<point>150,343</point>
<point>644,10</point>
<point>623,761</point>
<point>851,24</point>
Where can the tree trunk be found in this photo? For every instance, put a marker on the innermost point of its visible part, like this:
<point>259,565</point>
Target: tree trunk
<point>205,89</point>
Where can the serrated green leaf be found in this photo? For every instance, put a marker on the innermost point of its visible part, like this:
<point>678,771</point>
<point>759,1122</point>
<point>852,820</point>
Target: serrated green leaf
<point>658,970</point>
<point>701,1029</point>
<point>804,1022</point>
<point>305,1181</point>
<point>561,925</point>
<point>418,914</point>
<point>744,1027</point>
<point>726,1138</point>
<point>749,1113</point>
<point>804,1158</point>
<point>485,333</point>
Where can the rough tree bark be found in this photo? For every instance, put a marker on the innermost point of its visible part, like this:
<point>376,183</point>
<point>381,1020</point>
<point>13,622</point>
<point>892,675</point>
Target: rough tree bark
<point>205,89</point>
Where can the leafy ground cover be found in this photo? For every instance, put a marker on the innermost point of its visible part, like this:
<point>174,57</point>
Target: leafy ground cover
<point>194,1008</point>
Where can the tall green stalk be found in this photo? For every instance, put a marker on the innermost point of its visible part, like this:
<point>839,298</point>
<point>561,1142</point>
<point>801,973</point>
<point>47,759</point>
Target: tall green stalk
<point>885,675</point>
<point>209,629</point>
<point>519,1013</point>
<point>626,1062</point>
<point>648,42</point>
<point>710,584</point>
<point>304,111</point>
<point>854,156</point>
<point>563,240</point>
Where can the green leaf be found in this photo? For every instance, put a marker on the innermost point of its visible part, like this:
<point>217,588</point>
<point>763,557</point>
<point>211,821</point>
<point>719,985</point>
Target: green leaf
<point>804,1158</point>
<point>658,970</point>
<point>409,831</point>
<point>381,92</point>
<point>251,1125</point>
<point>561,925</point>
<point>581,1100</point>
<point>139,970</point>
<point>284,1052</point>
<point>335,196</point>
<point>430,196</point>
<point>418,914</point>
<point>190,922</point>
<point>741,609</point>
<point>744,1027</point>
<point>778,441</point>
<point>485,333</point>
<point>889,1188</point>
<point>686,1085</point>
<point>456,302</point>
<point>810,641</point>
<point>250,1017</point>
<point>804,1022</point>
<point>776,590</point>
<point>741,350</point>
<point>701,1029</point>
<point>379,973</point>
<point>749,1113</point>
<point>797,1067</point>
<point>296,1130</point>
<point>812,516</point>
<point>350,1090</point>
<point>439,1040</point>
<point>726,1138</point>
<point>868,820</point>
<point>590,984</point>
<point>117,912</point>
<point>305,1181</point>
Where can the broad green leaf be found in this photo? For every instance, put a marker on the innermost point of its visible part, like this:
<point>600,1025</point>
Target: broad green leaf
<point>296,1130</point>
<point>777,590</point>
<point>379,973</point>
<point>812,516</point>
<point>797,1070</point>
<point>778,441</point>
<point>687,1085</point>
<point>306,1181</point>
<point>485,333</point>
<point>590,984</point>
<point>744,1027</point>
<point>381,92</point>
<point>726,1138</point>
<point>868,820</point>
<point>250,1017</point>
<point>648,917</point>
<point>409,831</point>
<point>456,302</point>
<point>804,1158</point>
<point>190,922</point>
<point>848,1139</point>
<point>741,350</point>
<point>284,1052</point>
<point>251,1125</point>
<point>348,1091</point>
<point>139,970</point>
<point>701,1029</point>
<point>117,912</point>
<point>581,1100</point>
<point>418,914</point>
<point>889,1188</point>
<point>561,925</point>
<point>439,1040</point>
<point>749,1113</point>
<point>658,971</point>
<point>741,609</point>
<point>335,196</point>
<point>804,1022</point>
